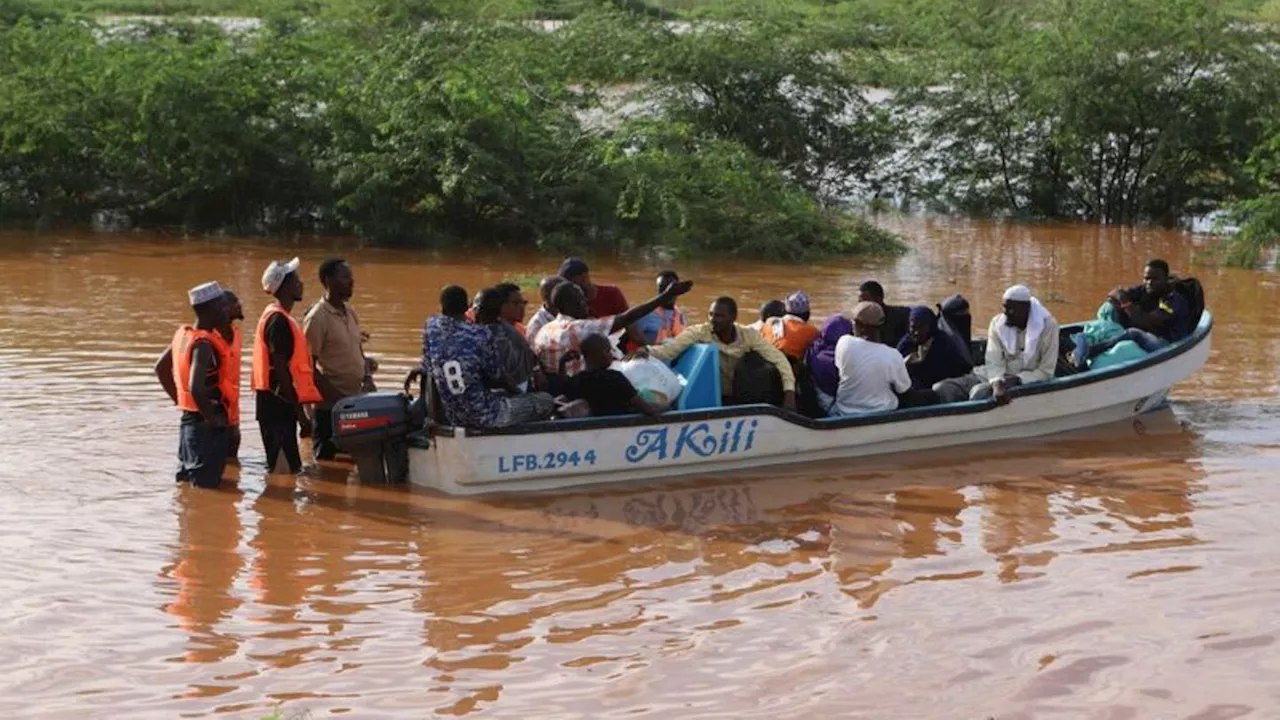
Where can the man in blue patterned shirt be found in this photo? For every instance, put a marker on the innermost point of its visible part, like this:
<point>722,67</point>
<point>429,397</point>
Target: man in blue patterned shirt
<point>461,360</point>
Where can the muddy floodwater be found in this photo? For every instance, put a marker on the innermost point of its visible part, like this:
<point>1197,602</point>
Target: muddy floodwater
<point>1127,572</point>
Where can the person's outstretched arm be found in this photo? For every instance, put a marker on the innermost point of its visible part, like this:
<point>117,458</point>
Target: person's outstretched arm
<point>629,317</point>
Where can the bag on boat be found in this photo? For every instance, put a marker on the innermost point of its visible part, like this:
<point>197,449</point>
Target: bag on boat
<point>1191,289</point>
<point>655,382</point>
<point>755,380</point>
<point>1124,352</point>
<point>1106,328</point>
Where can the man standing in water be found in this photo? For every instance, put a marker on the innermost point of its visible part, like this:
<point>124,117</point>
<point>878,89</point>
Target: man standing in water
<point>196,373</point>
<point>337,348</point>
<point>235,342</point>
<point>282,379</point>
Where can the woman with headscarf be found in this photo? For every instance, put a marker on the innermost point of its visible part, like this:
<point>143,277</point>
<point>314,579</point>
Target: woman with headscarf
<point>821,359</point>
<point>931,356</point>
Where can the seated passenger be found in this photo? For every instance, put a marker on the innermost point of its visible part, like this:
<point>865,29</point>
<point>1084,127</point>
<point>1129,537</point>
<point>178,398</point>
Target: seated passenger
<point>606,391</point>
<point>1154,314</point>
<point>519,364</point>
<point>821,359</point>
<point>872,375</point>
<point>931,356</point>
<point>1022,348</point>
<point>513,307</point>
<point>895,316</point>
<point>769,310</point>
<point>464,366</point>
<point>559,342</point>
<point>733,341</point>
<point>791,333</point>
<point>546,311</point>
<point>666,322</point>
<point>602,300</point>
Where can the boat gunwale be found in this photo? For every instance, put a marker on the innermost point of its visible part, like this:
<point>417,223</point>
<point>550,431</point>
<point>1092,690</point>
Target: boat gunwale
<point>1068,382</point>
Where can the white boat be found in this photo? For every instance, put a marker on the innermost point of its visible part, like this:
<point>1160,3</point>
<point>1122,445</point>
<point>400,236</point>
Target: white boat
<point>595,451</point>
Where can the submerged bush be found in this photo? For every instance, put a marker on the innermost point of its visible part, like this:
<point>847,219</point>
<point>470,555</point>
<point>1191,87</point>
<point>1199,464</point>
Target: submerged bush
<point>453,133</point>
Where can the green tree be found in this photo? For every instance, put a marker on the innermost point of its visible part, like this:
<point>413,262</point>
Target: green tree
<point>1257,217</point>
<point>1117,111</point>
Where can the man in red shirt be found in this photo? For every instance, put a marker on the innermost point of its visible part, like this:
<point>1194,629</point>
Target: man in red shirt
<point>602,300</point>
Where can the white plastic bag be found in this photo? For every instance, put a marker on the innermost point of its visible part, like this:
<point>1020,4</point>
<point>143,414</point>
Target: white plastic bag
<point>655,382</point>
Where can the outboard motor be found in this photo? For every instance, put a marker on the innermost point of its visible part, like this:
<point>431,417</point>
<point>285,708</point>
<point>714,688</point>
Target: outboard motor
<point>373,429</point>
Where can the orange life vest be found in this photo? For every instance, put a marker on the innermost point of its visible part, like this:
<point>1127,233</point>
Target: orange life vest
<point>789,334</point>
<point>184,341</point>
<point>234,348</point>
<point>304,383</point>
<point>674,318</point>
<point>677,324</point>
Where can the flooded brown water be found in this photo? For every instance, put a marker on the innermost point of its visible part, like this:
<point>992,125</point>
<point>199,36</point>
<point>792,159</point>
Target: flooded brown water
<point>1129,572</point>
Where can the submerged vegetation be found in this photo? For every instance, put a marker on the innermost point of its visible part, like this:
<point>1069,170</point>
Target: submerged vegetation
<point>619,130</point>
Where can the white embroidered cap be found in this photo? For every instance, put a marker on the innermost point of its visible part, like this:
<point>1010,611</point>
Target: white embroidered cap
<point>273,277</point>
<point>202,294</point>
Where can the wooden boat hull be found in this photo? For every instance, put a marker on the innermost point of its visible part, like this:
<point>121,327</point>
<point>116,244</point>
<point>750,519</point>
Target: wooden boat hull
<point>596,451</point>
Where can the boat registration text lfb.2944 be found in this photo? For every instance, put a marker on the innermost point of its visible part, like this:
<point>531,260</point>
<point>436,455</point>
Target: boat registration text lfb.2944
<point>647,446</point>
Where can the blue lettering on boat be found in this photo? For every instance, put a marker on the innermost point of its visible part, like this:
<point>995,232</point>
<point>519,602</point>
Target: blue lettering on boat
<point>704,439</point>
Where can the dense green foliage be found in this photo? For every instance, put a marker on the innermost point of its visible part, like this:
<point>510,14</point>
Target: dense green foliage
<point>1257,216</point>
<point>1113,111</point>
<point>452,134</point>
<point>619,130</point>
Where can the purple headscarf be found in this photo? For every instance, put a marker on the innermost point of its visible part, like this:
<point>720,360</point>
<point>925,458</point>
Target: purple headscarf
<point>921,313</point>
<point>821,355</point>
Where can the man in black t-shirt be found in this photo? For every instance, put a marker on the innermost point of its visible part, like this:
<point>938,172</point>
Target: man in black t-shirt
<point>897,318</point>
<point>607,391</point>
<point>282,377</point>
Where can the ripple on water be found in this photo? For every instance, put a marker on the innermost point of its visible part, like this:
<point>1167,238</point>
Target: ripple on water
<point>1105,575</point>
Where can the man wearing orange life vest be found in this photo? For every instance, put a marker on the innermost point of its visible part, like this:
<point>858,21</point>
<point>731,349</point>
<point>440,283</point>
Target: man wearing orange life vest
<point>283,382</point>
<point>196,373</point>
<point>235,342</point>
<point>664,323</point>
<point>791,333</point>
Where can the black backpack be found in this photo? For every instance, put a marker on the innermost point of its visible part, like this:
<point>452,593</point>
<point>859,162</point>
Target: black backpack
<point>755,380</point>
<point>1191,289</point>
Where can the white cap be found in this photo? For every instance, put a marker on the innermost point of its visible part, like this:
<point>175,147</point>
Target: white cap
<point>1018,293</point>
<point>273,277</point>
<point>202,294</point>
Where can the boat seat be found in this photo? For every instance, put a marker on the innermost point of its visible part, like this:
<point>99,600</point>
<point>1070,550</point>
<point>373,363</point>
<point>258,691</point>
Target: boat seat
<point>700,367</point>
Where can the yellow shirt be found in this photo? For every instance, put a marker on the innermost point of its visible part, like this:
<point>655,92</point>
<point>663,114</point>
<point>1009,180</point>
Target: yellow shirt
<point>745,341</point>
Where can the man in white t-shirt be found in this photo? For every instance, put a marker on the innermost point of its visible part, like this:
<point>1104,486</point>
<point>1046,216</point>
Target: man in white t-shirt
<point>872,375</point>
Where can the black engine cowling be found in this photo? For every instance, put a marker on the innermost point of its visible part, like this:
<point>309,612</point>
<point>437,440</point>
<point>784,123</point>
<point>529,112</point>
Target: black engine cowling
<point>373,429</point>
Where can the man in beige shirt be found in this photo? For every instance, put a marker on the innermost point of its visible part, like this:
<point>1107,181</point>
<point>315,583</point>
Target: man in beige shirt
<point>337,347</point>
<point>733,341</point>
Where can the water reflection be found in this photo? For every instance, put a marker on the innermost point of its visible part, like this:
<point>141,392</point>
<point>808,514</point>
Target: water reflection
<point>205,565</point>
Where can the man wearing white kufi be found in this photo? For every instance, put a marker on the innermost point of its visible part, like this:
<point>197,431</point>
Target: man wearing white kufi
<point>1022,348</point>
<point>197,373</point>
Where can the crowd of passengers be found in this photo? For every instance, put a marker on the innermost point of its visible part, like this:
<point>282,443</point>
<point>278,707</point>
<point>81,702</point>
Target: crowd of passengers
<point>490,369</point>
